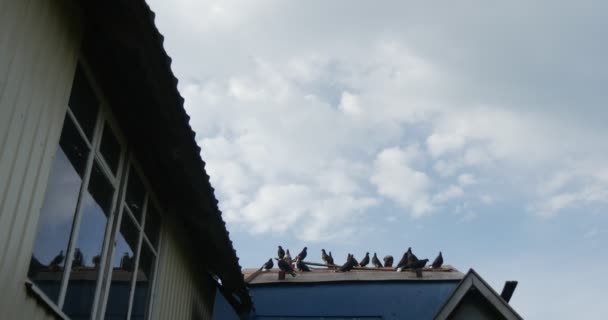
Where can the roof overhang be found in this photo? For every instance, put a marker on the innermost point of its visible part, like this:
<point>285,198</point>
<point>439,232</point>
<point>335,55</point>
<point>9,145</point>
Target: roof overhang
<point>125,51</point>
<point>473,281</point>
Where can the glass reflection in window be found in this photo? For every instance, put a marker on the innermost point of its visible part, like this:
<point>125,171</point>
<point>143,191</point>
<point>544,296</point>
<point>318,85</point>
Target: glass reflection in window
<point>143,284</point>
<point>110,148</point>
<point>96,208</point>
<point>123,264</point>
<point>135,194</point>
<point>57,213</point>
<point>83,103</point>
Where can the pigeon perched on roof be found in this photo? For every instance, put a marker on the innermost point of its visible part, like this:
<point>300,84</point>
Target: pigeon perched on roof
<point>324,256</point>
<point>301,265</point>
<point>286,267</point>
<point>388,261</point>
<point>403,260</point>
<point>54,264</point>
<point>96,260</point>
<point>438,261</point>
<point>281,253</point>
<point>268,265</point>
<point>376,262</point>
<point>418,264</point>
<point>287,257</point>
<point>331,259</point>
<point>302,254</point>
<point>356,263</point>
<point>78,259</point>
<point>364,261</point>
<point>349,264</point>
<point>127,262</point>
<point>411,257</point>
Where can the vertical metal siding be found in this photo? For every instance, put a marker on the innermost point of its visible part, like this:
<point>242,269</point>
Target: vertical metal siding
<point>39,46</point>
<point>181,290</point>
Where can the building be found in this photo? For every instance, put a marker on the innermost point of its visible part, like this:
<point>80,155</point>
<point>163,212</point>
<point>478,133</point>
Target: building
<point>375,294</point>
<point>106,211</point>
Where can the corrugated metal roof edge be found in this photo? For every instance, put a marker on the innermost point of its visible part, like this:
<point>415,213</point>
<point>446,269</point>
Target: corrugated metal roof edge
<point>228,249</point>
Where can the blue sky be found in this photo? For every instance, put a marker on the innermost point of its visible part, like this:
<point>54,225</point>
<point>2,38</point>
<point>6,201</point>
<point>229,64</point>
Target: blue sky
<point>470,128</point>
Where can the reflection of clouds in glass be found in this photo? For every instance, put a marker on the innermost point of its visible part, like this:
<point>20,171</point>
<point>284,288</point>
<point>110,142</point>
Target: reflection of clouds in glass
<point>62,193</point>
<point>58,209</point>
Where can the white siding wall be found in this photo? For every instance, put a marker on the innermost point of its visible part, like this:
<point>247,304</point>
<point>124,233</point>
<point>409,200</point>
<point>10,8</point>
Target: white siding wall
<point>39,46</point>
<point>181,291</point>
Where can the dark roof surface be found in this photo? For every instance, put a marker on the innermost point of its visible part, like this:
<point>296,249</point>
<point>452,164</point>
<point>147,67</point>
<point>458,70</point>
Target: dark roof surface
<point>447,273</point>
<point>125,52</point>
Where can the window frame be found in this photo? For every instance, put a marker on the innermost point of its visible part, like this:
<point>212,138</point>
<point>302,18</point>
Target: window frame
<point>118,180</point>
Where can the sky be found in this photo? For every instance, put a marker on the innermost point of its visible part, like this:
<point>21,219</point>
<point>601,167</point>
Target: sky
<point>472,128</point>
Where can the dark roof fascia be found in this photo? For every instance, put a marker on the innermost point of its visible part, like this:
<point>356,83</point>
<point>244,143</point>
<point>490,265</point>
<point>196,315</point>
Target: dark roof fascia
<point>125,51</point>
<point>473,280</point>
<point>320,283</point>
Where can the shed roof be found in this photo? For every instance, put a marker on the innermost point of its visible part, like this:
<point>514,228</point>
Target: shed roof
<point>271,277</point>
<point>125,52</point>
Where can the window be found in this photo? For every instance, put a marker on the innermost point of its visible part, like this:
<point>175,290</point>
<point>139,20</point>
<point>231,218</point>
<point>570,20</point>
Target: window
<point>97,241</point>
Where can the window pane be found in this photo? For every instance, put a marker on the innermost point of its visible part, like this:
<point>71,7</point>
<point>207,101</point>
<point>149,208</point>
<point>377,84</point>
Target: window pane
<point>152,224</point>
<point>96,207</point>
<point>143,285</point>
<point>84,103</point>
<point>122,269</point>
<point>57,213</point>
<point>110,149</point>
<point>135,194</point>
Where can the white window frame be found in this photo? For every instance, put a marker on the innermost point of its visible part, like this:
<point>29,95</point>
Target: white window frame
<point>119,181</point>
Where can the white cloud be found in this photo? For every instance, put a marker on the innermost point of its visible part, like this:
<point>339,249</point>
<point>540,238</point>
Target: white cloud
<point>466,179</point>
<point>396,180</point>
<point>450,193</point>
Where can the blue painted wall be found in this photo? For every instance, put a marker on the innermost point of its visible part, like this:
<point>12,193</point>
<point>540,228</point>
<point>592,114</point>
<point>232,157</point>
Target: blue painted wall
<point>348,300</point>
<point>222,310</point>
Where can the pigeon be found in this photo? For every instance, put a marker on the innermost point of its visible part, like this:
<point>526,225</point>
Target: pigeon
<point>78,259</point>
<point>96,260</point>
<point>411,257</point>
<point>388,261</point>
<point>349,264</point>
<point>403,260</point>
<point>438,261</point>
<point>127,262</point>
<point>287,257</point>
<point>331,259</point>
<point>364,261</point>
<point>356,263</point>
<point>302,254</point>
<point>301,265</point>
<point>376,262</point>
<point>418,264</point>
<point>281,253</point>
<point>325,257</point>
<point>57,260</point>
<point>268,265</point>
<point>286,267</point>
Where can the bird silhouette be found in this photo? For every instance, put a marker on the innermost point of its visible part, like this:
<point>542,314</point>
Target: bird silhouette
<point>324,256</point>
<point>403,260</point>
<point>330,259</point>
<point>287,257</point>
<point>57,260</point>
<point>127,262</point>
<point>365,260</point>
<point>356,263</point>
<point>268,265</point>
<point>349,264</point>
<point>281,253</point>
<point>418,264</point>
<point>286,267</point>
<point>411,257</point>
<point>376,262</point>
<point>301,265</point>
<point>438,262</point>
<point>388,261</point>
<point>78,260</point>
<point>302,254</point>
